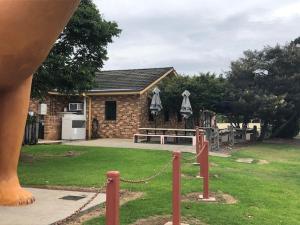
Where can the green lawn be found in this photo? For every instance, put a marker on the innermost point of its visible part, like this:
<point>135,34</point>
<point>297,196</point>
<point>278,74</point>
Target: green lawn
<point>267,194</point>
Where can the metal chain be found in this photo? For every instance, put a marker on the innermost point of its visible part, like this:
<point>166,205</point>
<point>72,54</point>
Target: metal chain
<point>65,220</point>
<point>195,156</point>
<point>147,179</point>
<point>141,181</point>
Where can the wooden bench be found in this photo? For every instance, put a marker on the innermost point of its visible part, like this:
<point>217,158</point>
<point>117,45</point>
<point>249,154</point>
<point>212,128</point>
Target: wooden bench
<point>136,137</point>
<point>176,136</point>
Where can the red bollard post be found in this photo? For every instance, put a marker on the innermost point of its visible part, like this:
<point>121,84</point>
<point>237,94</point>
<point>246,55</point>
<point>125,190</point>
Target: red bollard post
<point>176,187</point>
<point>113,198</point>
<point>205,171</point>
<point>201,157</point>
<point>176,220</point>
<point>197,140</point>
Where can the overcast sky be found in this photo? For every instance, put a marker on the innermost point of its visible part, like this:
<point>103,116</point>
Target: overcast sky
<point>195,35</point>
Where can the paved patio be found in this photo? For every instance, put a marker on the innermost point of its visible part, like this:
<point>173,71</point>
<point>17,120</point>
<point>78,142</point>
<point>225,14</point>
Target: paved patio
<point>48,207</point>
<point>128,143</point>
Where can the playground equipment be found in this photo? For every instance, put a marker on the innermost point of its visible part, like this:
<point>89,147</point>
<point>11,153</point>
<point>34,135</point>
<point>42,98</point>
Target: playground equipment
<point>226,136</point>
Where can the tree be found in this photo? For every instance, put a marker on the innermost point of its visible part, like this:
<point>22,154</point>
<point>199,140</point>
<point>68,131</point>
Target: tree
<point>78,53</point>
<point>266,83</point>
<point>207,91</point>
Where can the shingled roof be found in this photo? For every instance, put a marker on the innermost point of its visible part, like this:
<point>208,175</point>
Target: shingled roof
<point>129,80</point>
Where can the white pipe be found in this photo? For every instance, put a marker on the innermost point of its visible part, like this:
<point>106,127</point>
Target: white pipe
<point>84,106</point>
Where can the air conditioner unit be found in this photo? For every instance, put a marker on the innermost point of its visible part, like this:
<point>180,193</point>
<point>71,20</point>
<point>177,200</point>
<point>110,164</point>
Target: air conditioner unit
<point>75,107</point>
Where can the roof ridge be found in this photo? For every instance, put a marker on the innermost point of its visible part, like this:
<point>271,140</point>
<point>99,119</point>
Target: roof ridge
<point>151,68</point>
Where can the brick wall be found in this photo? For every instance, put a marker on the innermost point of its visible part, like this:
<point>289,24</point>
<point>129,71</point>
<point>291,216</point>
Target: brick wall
<point>53,119</point>
<point>55,104</point>
<point>52,127</point>
<point>132,113</point>
<point>33,106</point>
<point>128,116</point>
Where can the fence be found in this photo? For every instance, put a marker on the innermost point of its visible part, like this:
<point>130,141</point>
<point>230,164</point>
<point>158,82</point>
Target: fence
<point>112,184</point>
<point>229,136</point>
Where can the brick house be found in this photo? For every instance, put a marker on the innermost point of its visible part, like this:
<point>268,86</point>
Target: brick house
<point>119,105</point>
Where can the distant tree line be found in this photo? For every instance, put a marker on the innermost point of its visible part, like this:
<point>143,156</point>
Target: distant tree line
<point>262,85</point>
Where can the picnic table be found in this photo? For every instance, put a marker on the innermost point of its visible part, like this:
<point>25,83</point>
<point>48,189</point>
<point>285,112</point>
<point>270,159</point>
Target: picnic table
<point>164,130</point>
<point>152,132</point>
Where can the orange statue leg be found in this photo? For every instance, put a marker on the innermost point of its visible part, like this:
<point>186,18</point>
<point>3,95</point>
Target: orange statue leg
<point>28,30</point>
<point>13,112</point>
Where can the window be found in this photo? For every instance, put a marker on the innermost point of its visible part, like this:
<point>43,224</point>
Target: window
<point>110,110</point>
<point>75,107</point>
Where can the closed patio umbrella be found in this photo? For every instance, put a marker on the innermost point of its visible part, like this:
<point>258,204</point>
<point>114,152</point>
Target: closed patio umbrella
<point>186,108</point>
<point>155,106</point>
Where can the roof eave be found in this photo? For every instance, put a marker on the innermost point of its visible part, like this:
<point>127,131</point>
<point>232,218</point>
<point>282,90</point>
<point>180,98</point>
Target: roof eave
<point>94,93</point>
<point>159,79</point>
<point>123,92</point>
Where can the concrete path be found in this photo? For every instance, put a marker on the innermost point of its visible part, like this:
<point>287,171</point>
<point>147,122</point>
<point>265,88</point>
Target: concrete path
<point>48,207</point>
<point>45,142</point>
<point>128,143</point>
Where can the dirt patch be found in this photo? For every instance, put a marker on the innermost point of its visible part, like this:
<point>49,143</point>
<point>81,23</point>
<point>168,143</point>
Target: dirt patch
<point>72,154</point>
<point>161,220</point>
<point>26,158</point>
<point>63,154</point>
<point>125,196</point>
<point>253,161</point>
<point>228,199</point>
<point>220,198</point>
<point>30,158</point>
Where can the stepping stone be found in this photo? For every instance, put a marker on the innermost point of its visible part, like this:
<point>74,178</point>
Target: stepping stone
<point>263,161</point>
<point>245,160</point>
<point>219,154</point>
<point>170,223</point>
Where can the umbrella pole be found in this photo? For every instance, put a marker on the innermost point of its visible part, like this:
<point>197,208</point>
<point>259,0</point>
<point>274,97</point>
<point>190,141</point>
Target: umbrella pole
<point>155,125</point>
<point>185,126</point>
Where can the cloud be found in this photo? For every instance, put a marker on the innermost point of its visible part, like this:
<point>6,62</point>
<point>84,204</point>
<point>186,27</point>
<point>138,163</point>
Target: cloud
<point>195,36</point>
